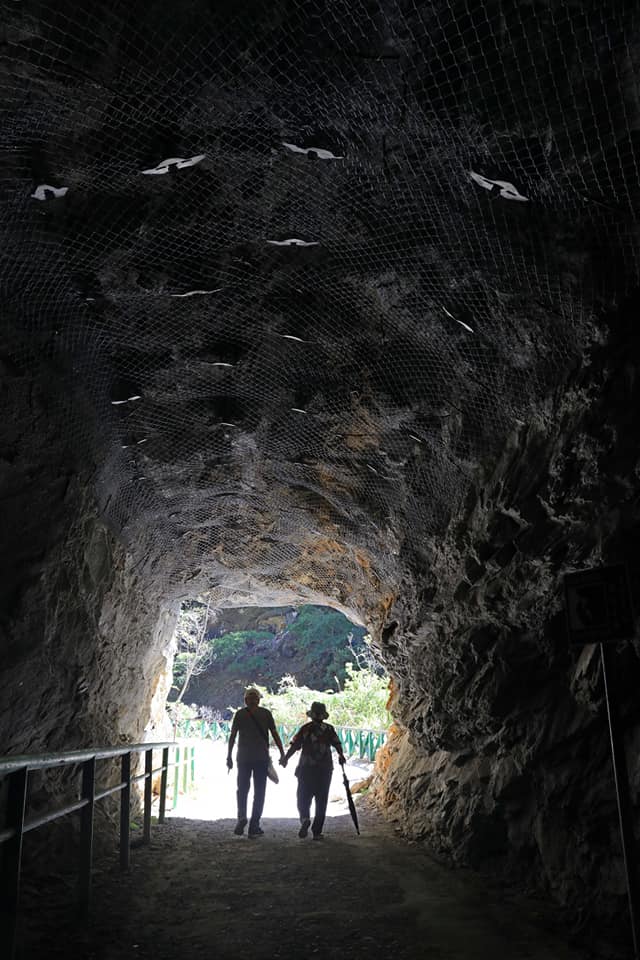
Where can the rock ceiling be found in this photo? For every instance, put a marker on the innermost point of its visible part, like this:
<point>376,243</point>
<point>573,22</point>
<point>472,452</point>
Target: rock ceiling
<point>293,275</point>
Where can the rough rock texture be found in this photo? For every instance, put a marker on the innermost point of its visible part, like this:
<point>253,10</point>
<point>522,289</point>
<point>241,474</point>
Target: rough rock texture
<point>423,414</point>
<point>504,755</point>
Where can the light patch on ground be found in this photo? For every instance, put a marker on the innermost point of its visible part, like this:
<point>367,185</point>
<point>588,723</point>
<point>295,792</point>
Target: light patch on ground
<point>214,795</point>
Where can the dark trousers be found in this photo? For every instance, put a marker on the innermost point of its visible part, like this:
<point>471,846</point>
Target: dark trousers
<point>245,770</point>
<point>313,783</point>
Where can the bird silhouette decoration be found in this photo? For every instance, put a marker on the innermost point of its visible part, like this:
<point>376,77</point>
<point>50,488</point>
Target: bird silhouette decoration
<point>499,188</point>
<point>310,151</point>
<point>294,242</point>
<point>178,162</point>
<point>47,192</point>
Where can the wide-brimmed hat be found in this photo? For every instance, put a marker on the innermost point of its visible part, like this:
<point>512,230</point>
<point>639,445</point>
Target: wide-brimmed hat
<point>317,711</point>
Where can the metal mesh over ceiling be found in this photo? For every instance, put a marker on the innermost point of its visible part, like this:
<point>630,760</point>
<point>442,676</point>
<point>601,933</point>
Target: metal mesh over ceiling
<point>299,268</point>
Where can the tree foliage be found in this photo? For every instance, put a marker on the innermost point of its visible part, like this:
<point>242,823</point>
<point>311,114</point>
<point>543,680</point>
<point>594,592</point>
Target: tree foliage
<point>361,702</point>
<point>194,649</point>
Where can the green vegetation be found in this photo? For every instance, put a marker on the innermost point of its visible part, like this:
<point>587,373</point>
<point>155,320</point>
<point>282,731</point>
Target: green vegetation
<point>194,652</point>
<point>293,656</point>
<point>229,646</point>
<point>219,650</point>
<point>361,702</point>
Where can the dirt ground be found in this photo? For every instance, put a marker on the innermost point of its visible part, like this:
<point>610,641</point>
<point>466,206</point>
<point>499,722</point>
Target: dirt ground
<point>199,892</point>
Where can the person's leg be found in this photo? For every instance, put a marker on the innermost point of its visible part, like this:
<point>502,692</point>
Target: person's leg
<point>303,797</point>
<point>259,789</point>
<point>322,784</point>
<point>244,779</point>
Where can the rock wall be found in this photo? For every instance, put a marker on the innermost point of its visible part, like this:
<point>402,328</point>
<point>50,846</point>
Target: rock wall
<point>85,652</point>
<point>502,759</point>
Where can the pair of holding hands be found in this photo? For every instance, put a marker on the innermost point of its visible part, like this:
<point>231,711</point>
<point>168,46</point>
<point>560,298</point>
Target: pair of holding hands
<point>283,761</point>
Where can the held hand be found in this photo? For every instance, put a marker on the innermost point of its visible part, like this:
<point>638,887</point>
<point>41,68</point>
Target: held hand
<point>283,761</point>
<point>341,760</point>
<point>229,763</point>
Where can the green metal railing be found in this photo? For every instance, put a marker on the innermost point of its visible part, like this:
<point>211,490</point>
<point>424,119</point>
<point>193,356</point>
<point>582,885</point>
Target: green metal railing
<point>184,769</point>
<point>355,741</point>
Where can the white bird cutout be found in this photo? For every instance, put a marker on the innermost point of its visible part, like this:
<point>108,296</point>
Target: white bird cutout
<point>116,403</point>
<point>198,293</point>
<point>461,322</point>
<point>44,189</point>
<point>178,162</point>
<point>319,152</point>
<point>293,242</point>
<point>507,190</point>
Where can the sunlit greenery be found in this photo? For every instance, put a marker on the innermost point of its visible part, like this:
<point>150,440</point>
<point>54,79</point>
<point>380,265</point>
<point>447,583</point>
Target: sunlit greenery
<point>314,642</point>
<point>361,702</point>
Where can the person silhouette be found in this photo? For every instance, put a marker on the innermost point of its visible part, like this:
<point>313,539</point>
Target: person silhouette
<point>252,725</point>
<point>315,767</point>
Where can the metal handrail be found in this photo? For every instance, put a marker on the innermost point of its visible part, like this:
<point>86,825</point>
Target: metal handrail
<point>16,770</point>
<point>40,761</point>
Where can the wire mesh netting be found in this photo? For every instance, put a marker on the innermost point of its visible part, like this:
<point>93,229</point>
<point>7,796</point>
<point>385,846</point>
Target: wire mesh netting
<point>299,267</point>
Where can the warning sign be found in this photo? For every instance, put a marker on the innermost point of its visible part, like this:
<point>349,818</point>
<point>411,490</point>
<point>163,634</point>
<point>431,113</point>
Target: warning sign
<point>598,605</point>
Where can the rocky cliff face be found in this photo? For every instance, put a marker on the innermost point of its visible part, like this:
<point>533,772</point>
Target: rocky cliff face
<point>332,305</point>
<point>503,757</point>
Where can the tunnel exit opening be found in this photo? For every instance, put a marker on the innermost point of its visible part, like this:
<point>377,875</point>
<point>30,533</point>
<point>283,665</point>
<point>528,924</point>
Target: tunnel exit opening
<point>294,657</point>
<point>292,654</point>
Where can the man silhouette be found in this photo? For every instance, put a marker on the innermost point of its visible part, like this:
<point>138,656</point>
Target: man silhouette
<point>252,725</point>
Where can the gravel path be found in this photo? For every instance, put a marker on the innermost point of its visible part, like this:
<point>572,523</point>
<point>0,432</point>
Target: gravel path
<point>200,892</point>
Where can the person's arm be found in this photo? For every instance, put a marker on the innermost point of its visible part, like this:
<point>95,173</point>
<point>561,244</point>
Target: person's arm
<point>232,739</point>
<point>276,735</point>
<point>296,744</point>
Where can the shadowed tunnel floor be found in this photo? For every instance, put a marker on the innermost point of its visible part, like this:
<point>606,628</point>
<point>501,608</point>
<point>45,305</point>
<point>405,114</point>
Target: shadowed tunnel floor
<point>198,891</point>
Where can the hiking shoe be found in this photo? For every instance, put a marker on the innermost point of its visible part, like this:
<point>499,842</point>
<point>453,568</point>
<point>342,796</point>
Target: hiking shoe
<point>239,827</point>
<point>318,836</point>
<point>255,832</point>
<point>304,828</point>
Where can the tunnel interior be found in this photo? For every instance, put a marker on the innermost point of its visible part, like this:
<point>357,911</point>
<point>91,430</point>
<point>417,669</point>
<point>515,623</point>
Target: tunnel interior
<point>331,303</point>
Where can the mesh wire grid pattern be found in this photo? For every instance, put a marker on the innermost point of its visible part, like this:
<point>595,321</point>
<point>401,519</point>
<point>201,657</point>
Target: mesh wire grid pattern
<point>462,183</point>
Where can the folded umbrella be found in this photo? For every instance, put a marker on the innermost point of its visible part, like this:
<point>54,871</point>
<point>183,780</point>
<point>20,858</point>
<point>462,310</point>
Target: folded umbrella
<point>352,806</point>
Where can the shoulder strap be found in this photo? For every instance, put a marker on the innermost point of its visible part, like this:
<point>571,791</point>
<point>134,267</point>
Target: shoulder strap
<point>265,736</point>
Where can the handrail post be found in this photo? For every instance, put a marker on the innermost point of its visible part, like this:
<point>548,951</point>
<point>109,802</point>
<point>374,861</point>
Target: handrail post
<point>86,833</point>
<point>12,856</point>
<point>193,765</point>
<point>163,785</point>
<point>176,777</point>
<point>148,768</point>
<point>185,765</point>
<point>125,810</point>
